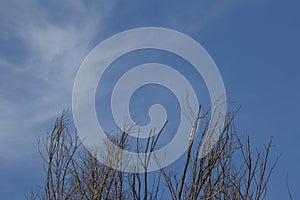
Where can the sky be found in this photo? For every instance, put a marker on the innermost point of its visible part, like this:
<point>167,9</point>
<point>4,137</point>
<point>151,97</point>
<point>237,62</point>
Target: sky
<point>255,44</point>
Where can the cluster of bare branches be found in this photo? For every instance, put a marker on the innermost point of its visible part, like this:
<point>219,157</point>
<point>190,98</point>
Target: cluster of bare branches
<point>231,170</point>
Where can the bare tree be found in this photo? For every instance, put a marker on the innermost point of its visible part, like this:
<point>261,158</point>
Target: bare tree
<point>231,170</point>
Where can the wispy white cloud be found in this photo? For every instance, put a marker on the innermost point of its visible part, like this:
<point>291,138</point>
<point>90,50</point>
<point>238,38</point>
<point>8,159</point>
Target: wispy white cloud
<point>37,88</point>
<point>194,18</point>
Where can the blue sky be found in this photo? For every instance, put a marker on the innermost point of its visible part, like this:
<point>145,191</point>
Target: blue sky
<point>254,43</point>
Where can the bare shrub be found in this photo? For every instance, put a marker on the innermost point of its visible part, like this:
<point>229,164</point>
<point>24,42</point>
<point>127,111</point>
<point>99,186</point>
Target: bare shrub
<point>231,170</point>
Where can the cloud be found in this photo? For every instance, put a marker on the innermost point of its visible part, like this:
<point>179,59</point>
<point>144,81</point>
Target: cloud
<point>193,17</point>
<point>36,87</point>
